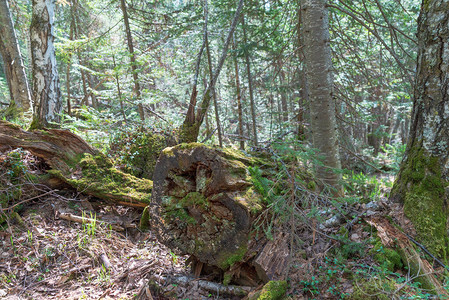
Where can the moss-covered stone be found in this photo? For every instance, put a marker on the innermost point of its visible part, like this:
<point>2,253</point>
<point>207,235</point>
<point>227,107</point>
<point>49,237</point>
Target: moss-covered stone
<point>421,187</point>
<point>273,290</point>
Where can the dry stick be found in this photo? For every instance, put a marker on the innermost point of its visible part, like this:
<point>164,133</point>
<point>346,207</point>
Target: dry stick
<point>83,220</point>
<point>207,285</point>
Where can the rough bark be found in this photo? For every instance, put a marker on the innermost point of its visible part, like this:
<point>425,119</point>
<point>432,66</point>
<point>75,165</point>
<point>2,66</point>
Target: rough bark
<point>46,91</point>
<point>12,61</point>
<point>320,83</point>
<point>423,177</point>
<point>203,204</point>
<point>75,163</point>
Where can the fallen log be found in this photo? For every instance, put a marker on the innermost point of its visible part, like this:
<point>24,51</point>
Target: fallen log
<point>75,163</point>
<point>420,269</point>
<point>204,204</point>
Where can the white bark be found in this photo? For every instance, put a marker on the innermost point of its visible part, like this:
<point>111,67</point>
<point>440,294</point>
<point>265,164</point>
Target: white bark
<point>12,58</point>
<point>46,90</point>
<point>320,84</point>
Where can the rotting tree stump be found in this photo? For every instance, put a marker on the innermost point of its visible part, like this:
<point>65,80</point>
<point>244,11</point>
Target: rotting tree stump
<point>204,204</point>
<point>75,163</point>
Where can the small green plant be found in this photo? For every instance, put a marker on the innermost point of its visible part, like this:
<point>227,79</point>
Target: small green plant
<point>104,275</point>
<point>174,257</point>
<point>90,227</point>
<point>30,237</point>
<point>311,286</point>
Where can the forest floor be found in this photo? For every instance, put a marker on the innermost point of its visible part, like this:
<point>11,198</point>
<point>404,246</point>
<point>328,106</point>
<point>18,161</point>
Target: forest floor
<point>43,256</point>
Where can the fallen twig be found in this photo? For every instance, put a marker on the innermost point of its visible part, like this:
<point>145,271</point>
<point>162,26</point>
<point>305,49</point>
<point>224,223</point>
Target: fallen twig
<point>84,220</point>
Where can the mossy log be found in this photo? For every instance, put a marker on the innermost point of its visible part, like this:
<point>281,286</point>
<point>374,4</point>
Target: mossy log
<point>420,269</point>
<point>76,163</point>
<point>204,204</point>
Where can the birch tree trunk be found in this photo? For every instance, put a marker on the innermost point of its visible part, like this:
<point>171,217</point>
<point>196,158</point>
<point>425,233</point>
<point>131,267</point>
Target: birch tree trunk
<point>12,60</point>
<point>46,90</point>
<point>320,83</point>
<point>421,184</point>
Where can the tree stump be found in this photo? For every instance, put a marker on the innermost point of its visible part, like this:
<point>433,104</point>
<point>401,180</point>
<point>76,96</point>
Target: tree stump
<point>204,204</point>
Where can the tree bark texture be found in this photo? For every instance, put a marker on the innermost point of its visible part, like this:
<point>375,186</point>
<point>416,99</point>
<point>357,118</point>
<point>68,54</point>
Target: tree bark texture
<point>12,60</point>
<point>46,90</point>
<point>320,83</point>
<point>423,177</point>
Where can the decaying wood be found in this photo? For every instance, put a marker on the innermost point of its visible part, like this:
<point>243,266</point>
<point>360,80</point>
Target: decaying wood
<point>212,287</point>
<point>420,269</point>
<point>271,262</point>
<point>67,155</point>
<point>204,205</point>
<point>57,147</point>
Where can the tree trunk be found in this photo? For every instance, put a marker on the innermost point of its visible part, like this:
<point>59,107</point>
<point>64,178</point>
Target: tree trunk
<point>77,164</point>
<point>12,61</point>
<point>129,40</point>
<point>250,85</point>
<point>421,184</point>
<point>46,91</point>
<point>190,129</point>
<point>214,94</point>
<point>320,84</point>
<point>204,204</point>
<point>239,101</point>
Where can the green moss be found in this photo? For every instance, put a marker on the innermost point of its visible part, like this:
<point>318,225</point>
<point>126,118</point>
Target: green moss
<point>227,277</point>
<point>101,179</point>
<point>228,259</point>
<point>422,189</point>
<point>35,124</point>
<point>386,257</point>
<point>251,200</point>
<point>273,290</point>
<point>177,208</point>
<point>373,289</point>
<point>145,219</point>
<point>194,199</point>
